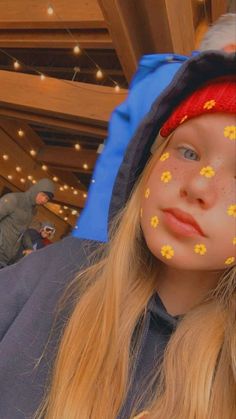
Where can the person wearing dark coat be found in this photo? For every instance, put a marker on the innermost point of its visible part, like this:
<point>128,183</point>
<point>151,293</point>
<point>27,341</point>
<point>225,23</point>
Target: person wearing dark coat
<point>145,326</point>
<point>16,213</point>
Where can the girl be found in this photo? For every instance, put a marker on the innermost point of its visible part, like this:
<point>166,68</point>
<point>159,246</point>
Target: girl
<point>148,329</point>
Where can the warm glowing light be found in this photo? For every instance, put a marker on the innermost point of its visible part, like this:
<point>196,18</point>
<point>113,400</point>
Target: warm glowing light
<point>10,177</point>
<point>18,168</point>
<point>85,166</point>
<point>60,211</point>
<point>75,192</point>
<point>99,74</point>
<point>74,212</point>
<point>65,218</point>
<point>42,77</point>
<point>34,181</point>
<point>44,167</point>
<point>65,207</point>
<point>117,88</point>
<point>50,10</point>
<point>84,195</point>
<point>33,152</point>
<point>55,178</point>
<point>21,132</point>
<point>77,146</point>
<point>77,49</point>
<point>30,177</point>
<point>22,180</point>
<point>66,187</point>
<point>16,65</point>
<point>61,188</point>
<point>5,157</point>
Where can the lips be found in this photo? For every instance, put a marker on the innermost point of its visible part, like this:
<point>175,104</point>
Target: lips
<point>182,222</point>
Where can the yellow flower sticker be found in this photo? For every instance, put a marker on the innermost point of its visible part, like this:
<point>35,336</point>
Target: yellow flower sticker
<point>200,249</point>
<point>230,260</point>
<point>166,176</point>
<point>147,193</point>
<point>164,156</point>
<point>209,104</point>
<point>154,221</point>
<point>230,132</point>
<point>167,251</point>
<point>183,119</point>
<point>234,240</point>
<point>207,171</point>
<point>232,210</point>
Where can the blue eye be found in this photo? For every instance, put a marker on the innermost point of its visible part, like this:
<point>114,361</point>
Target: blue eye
<point>188,153</point>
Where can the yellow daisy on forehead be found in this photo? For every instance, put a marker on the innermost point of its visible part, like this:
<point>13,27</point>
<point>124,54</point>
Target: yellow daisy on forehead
<point>230,260</point>
<point>209,104</point>
<point>207,171</point>
<point>232,210</point>
<point>154,221</point>
<point>147,193</point>
<point>164,156</point>
<point>230,132</point>
<point>167,251</point>
<point>200,249</point>
<point>166,176</point>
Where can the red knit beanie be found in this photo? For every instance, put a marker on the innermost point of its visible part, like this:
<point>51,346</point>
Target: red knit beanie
<point>217,96</point>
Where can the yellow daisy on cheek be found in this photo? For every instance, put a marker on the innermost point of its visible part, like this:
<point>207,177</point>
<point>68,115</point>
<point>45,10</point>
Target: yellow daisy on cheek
<point>147,193</point>
<point>200,249</point>
<point>232,210</point>
<point>166,176</point>
<point>207,171</point>
<point>167,251</point>
<point>154,221</point>
<point>230,260</point>
<point>230,132</point>
<point>164,156</point>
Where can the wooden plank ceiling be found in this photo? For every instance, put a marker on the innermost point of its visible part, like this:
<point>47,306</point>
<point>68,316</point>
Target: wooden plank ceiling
<point>54,107</point>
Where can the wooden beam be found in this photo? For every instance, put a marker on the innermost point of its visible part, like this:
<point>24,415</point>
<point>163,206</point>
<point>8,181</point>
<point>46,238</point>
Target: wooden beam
<point>33,14</point>
<point>52,101</point>
<point>55,38</point>
<point>29,141</point>
<point>218,8</point>
<point>149,28</point>
<point>67,158</point>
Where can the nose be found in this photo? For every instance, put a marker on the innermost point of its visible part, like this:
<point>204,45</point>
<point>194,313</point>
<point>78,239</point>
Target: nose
<point>199,190</point>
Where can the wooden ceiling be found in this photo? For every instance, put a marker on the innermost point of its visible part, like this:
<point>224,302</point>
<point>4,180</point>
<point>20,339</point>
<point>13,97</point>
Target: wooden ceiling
<point>41,121</point>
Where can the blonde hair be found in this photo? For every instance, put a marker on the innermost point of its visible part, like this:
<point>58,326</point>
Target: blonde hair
<point>93,369</point>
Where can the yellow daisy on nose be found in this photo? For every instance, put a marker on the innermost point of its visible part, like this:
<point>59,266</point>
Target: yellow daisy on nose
<point>207,171</point>
<point>167,251</point>
<point>164,156</point>
<point>232,210</point>
<point>230,260</point>
<point>154,221</point>
<point>200,249</point>
<point>147,193</point>
<point>230,132</point>
<point>166,176</point>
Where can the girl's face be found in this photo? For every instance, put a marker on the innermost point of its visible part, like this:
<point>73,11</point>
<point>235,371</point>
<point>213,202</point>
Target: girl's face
<point>188,210</point>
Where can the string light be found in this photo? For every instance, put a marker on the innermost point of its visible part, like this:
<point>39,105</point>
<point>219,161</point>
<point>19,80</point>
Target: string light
<point>84,195</point>
<point>77,147</point>
<point>34,181</point>
<point>55,179</point>
<point>99,74</point>
<point>75,192</point>
<point>61,188</point>
<point>33,152</point>
<point>5,157</point>
<point>117,88</point>
<point>16,65</point>
<point>10,177</point>
<point>66,187</point>
<point>65,207</point>
<point>42,77</point>
<point>22,180</point>
<point>20,132</point>
<point>50,10</point>
<point>60,211</point>
<point>74,212</point>
<point>65,218</point>
<point>85,166</point>
<point>77,49</point>
<point>44,167</point>
<point>30,177</point>
<point>18,168</point>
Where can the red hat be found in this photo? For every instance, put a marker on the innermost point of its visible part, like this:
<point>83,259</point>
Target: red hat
<point>217,96</point>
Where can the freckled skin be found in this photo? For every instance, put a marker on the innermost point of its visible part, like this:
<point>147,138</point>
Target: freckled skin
<point>206,199</point>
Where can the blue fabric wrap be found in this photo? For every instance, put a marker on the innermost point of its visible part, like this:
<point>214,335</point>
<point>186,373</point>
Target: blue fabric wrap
<point>154,73</point>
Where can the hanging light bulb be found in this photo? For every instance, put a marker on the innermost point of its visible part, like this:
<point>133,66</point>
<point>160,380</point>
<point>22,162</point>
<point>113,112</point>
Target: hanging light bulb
<point>30,177</point>
<point>65,218</point>
<point>16,65</point>
<point>5,157</point>
<point>20,132</point>
<point>42,77</point>
<point>117,88</point>
<point>50,10</point>
<point>66,187</point>
<point>18,169</point>
<point>77,147</point>
<point>61,188</point>
<point>22,180</point>
<point>99,74</point>
<point>44,167</point>
<point>85,166</point>
<point>60,211</point>
<point>77,49</point>
<point>84,195</point>
<point>10,177</point>
<point>75,192</point>
<point>74,212</point>
<point>55,179</point>
<point>33,152</point>
<point>33,181</point>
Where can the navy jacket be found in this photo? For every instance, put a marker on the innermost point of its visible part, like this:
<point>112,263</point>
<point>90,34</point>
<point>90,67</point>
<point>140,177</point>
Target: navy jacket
<point>31,289</point>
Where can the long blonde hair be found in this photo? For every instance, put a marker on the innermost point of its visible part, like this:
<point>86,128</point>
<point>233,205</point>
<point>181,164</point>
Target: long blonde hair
<point>94,363</point>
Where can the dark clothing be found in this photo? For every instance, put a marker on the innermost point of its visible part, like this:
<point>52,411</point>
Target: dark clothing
<point>16,213</point>
<point>31,289</point>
